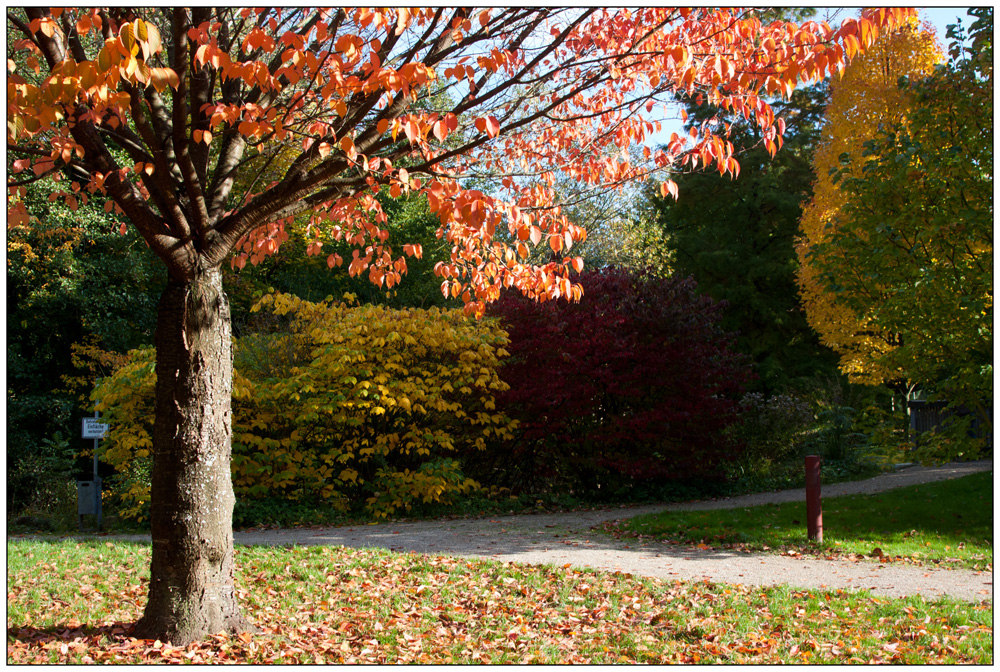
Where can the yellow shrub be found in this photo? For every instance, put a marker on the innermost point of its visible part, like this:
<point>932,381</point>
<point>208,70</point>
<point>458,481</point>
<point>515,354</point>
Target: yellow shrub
<point>125,400</point>
<point>343,404</point>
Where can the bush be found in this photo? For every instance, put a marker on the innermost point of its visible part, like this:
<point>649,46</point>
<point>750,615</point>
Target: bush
<point>30,418</point>
<point>957,438</point>
<point>51,504</point>
<point>336,405</point>
<point>633,385</point>
<point>769,428</point>
<point>855,431</point>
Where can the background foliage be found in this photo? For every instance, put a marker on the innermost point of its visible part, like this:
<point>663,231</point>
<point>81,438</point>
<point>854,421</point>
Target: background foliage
<point>72,279</point>
<point>632,385</point>
<point>917,226</point>
<point>336,406</point>
<point>736,239</point>
<point>865,98</point>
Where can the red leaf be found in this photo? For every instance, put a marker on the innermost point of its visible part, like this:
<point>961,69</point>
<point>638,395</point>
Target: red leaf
<point>488,125</point>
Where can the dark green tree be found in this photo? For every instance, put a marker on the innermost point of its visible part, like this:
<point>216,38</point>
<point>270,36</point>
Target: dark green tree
<point>735,237</point>
<point>72,278</point>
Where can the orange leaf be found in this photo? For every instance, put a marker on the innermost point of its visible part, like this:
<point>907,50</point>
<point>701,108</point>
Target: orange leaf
<point>536,235</point>
<point>488,125</point>
<point>402,20</point>
<point>668,187</point>
<point>161,78</point>
<point>440,130</point>
<point>47,26</point>
<point>347,144</point>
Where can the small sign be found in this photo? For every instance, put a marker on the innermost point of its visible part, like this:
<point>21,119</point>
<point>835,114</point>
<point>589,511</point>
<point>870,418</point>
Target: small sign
<point>92,429</point>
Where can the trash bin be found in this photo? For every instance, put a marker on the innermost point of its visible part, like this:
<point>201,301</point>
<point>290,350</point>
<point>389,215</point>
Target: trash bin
<point>88,500</point>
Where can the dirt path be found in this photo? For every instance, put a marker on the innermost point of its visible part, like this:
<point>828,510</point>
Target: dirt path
<point>567,538</point>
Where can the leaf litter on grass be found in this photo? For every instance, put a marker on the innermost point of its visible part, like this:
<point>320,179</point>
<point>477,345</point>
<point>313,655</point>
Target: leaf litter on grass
<point>321,605</point>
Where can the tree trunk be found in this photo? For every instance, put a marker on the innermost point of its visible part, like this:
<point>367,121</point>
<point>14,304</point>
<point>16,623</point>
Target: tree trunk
<point>191,588</point>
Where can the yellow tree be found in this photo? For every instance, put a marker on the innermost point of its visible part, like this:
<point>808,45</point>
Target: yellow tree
<point>865,98</point>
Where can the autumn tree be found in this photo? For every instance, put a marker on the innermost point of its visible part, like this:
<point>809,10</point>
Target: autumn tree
<point>162,109</point>
<point>911,251</point>
<point>865,98</point>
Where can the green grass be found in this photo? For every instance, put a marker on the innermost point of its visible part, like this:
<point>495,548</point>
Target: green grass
<point>71,602</point>
<point>948,523</point>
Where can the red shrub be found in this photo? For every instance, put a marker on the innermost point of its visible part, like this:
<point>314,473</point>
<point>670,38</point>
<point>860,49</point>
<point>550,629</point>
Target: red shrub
<point>634,384</point>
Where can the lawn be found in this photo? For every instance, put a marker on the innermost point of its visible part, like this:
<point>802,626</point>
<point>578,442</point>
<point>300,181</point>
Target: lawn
<point>948,523</point>
<point>72,602</point>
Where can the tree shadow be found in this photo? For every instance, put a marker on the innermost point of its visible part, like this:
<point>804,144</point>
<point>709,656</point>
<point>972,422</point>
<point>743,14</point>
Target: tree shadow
<point>82,538</point>
<point>31,634</point>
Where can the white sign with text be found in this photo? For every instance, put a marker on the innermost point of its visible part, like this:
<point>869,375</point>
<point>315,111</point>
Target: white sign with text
<point>92,429</point>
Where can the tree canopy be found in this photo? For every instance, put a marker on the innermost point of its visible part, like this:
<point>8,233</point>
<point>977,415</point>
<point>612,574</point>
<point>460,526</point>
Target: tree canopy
<point>865,98</point>
<point>911,251</point>
<point>342,97</point>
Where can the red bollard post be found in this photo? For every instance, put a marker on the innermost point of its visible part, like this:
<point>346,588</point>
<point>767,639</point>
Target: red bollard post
<point>814,508</point>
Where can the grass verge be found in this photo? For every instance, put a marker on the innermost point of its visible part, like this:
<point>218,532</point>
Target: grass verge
<point>949,523</point>
<point>71,602</point>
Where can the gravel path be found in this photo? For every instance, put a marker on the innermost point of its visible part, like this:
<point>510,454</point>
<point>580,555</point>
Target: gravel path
<point>567,538</point>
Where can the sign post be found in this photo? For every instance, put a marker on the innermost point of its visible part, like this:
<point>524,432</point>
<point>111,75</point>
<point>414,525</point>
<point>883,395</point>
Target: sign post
<point>92,428</point>
<point>814,507</point>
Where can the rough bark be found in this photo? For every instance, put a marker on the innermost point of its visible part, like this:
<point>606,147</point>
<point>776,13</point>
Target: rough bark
<point>192,592</point>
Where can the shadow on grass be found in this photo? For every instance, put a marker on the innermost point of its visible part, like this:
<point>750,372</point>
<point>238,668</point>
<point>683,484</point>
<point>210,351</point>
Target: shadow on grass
<point>30,634</point>
<point>83,538</point>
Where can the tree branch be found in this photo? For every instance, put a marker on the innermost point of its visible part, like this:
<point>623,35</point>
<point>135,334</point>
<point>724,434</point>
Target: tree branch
<point>181,65</point>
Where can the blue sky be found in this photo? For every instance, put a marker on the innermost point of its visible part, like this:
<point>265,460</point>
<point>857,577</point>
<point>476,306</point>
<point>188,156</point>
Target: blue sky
<point>940,17</point>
